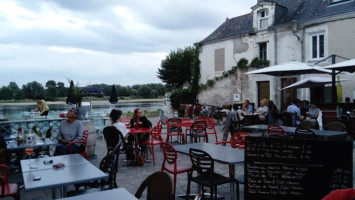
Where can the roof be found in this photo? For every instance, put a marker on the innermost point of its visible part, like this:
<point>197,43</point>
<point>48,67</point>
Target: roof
<point>94,90</point>
<point>286,12</point>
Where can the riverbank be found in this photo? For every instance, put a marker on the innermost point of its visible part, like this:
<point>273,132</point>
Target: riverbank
<point>95,102</point>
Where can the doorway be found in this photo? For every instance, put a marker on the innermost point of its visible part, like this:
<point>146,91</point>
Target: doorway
<point>263,91</point>
<point>287,96</point>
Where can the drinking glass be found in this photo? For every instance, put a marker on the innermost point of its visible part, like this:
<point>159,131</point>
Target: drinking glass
<point>29,152</point>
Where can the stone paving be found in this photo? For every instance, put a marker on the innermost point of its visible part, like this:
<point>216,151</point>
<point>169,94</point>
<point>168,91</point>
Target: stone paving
<point>130,177</point>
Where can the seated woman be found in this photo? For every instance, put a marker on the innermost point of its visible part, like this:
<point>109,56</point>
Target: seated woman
<point>69,130</point>
<point>313,111</point>
<point>138,120</point>
<point>115,116</point>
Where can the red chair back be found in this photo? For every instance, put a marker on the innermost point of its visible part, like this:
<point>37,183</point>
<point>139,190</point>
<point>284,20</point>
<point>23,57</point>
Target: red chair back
<point>211,122</point>
<point>275,130</point>
<point>155,134</point>
<point>170,154</point>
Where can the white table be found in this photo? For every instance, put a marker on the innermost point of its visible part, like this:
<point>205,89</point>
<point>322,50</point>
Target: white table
<point>119,193</point>
<point>222,154</point>
<point>76,170</point>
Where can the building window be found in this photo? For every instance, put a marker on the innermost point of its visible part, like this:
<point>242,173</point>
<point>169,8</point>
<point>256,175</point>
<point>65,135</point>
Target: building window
<point>263,17</point>
<point>219,62</point>
<point>317,46</point>
<point>263,51</point>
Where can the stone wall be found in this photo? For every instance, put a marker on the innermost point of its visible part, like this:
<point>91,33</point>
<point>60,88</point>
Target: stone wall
<point>224,89</point>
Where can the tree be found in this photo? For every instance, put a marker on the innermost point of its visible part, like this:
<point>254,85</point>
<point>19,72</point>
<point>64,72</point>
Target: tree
<point>181,96</point>
<point>144,91</point>
<point>51,93</point>
<point>61,89</point>
<point>32,89</point>
<point>51,83</point>
<point>175,70</point>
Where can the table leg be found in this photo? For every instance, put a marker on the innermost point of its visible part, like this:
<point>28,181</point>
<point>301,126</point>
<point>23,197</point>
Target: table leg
<point>232,184</point>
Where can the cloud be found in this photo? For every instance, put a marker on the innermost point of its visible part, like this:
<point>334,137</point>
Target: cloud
<point>92,41</point>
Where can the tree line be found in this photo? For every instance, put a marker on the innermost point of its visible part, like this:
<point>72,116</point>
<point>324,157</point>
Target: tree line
<point>52,90</point>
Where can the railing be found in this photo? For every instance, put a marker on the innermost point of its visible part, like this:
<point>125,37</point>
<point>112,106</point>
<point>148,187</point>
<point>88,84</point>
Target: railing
<point>9,129</point>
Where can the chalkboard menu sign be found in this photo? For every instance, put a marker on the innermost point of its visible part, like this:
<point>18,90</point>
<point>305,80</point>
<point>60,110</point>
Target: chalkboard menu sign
<point>295,169</point>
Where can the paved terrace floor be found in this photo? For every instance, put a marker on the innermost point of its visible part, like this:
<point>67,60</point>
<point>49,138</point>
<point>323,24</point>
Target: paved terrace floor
<point>130,177</point>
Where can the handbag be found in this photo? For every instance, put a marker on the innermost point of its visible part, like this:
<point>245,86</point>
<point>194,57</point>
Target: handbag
<point>140,160</point>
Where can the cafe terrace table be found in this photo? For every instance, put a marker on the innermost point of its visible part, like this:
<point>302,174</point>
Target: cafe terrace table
<point>76,170</point>
<point>291,130</point>
<point>119,193</point>
<point>136,132</point>
<point>221,154</point>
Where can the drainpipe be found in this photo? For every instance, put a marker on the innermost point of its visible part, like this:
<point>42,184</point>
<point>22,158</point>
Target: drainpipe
<point>275,77</point>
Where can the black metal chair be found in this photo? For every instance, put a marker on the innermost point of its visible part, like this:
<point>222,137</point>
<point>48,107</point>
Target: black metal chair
<point>305,134</point>
<point>159,187</point>
<point>112,137</point>
<point>203,164</point>
<point>108,166</point>
<point>198,130</point>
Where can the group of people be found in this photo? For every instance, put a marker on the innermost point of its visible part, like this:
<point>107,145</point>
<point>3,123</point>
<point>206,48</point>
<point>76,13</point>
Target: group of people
<point>71,130</point>
<point>268,113</point>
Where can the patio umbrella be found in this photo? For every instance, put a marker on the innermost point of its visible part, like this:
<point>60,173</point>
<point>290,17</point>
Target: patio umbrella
<point>70,97</point>
<point>113,95</point>
<point>290,68</point>
<point>311,82</point>
<point>347,66</point>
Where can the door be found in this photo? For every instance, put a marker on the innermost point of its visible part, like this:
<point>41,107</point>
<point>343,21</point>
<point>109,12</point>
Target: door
<point>287,96</point>
<point>263,91</point>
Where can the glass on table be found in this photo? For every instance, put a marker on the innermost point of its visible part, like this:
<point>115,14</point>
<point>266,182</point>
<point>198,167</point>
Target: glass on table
<point>29,152</point>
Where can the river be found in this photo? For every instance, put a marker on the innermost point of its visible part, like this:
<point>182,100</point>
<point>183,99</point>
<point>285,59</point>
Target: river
<point>19,111</point>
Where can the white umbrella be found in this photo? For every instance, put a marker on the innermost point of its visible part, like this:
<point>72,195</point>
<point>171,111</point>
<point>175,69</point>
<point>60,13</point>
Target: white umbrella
<point>290,68</point>
<point>311,82</point>
<point>348,66</point>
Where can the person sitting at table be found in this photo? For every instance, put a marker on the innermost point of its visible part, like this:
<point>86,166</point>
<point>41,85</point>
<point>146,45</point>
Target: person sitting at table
<point>294,109</point>
<point>262,111</point>
<point>140,121</point>
<point>313,111</point>
<point>69,130</point>
<point>247,108</point>
<point>41,106</point>
<point>115,116</point>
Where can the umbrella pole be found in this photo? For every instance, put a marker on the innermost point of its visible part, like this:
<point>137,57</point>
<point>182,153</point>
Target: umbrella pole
<point>334,90</point>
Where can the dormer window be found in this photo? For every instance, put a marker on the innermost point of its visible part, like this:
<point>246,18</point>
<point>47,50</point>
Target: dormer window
<point>263,17</point>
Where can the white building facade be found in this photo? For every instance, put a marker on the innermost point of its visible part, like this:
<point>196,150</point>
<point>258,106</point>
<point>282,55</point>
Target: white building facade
<point>279,31</point>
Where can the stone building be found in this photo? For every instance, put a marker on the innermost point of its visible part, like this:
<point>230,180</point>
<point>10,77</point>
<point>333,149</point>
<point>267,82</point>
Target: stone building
<point>280,31</point>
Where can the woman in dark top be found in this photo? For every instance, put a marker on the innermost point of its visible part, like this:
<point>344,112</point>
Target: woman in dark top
<point>140,121</point>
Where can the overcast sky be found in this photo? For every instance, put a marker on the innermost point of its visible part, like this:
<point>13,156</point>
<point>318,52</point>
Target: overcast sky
<point>102,41</point>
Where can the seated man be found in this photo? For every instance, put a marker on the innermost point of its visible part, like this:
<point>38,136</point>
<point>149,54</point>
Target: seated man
<point>69,130</point>
<point>295,111</point>
<point>246,109</point>
<point>262,111</point>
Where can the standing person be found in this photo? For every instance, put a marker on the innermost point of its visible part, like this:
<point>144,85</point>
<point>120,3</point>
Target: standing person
<point>138,120</point>
<point>69,130</point>
<point>41,106</point>
<point>232,116</point>
<point>262,111</point>
<point>274,115</point>
<point>294,109</point>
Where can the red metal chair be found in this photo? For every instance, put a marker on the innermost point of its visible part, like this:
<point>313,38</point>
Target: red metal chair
<point>155,139</point>
<point>174,130</point>
<point>236,141</point>
<point>170,163</point>
<point>275,131</point>
<point>7,189</point>
<point>210,129</point>
<point>83,141</point>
